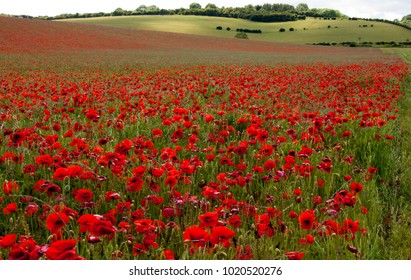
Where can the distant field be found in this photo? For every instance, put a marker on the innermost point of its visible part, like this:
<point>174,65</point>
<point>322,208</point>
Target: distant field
<point>39,40</point>
<point>306,31</point>
<point>404,53</point>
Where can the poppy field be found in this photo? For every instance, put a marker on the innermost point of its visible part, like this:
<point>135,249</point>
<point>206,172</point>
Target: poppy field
<point>218,161</point>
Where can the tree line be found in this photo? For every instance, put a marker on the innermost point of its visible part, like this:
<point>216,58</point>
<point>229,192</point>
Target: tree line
<point>258,13</point>
<point>394,22</point>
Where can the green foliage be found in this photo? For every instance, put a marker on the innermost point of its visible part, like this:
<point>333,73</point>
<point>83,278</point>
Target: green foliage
<point>241,35</point>
<point>194,6</point>
<point>119,12</point>
<point>246,30</point>
<point>407,17</point>
<point>211,6</point>
<point>302,7</point>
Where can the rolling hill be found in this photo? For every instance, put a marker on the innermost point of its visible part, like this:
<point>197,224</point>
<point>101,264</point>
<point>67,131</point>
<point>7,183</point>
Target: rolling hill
<point>305,31</point>
<point>125,45</point>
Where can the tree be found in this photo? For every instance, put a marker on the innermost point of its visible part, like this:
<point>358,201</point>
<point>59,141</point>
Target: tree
<point>153,8</point>
<point>302,7</point>
<point>210,6</point>
<point>194,6</point>
<point>119,12</point>
<point>142,8</point>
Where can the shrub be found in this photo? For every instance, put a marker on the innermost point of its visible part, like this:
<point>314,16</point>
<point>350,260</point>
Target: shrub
<point>228,28</point>
<point>246,30</point>
<point>241,35</point>
<point>282,29</point>
<point>291,29</point>
<point>219,28</point>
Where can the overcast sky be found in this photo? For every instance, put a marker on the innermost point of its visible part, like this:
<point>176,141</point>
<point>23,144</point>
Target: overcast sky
<point>386,9</point>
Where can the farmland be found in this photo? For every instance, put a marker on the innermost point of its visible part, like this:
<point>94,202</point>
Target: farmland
<point>128,144</point>
<point>305,31</point>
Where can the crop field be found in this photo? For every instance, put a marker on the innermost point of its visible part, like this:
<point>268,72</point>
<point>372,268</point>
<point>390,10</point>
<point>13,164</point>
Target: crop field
<point>120,144</point>
<point>305,31</point>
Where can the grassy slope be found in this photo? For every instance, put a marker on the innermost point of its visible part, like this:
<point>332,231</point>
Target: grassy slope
<point>316,30</point>
<point>398,241</point>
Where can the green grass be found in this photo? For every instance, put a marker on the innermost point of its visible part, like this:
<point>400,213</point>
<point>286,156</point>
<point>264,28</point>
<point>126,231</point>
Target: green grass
<point>397,244</point>
<point>307,31</point>
<point>403,53</point>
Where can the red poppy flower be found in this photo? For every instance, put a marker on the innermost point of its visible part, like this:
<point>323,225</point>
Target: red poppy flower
<point>10,208</point>
<point>244,253</point>
<point>8,240</point>
<point>317,200</point>
<point>139,249</point>
<point>266,150</point>
<point>31,209</point>
<point>10,187</point>
<point>60,174</point>
<point>111,195</point>
<point>168,254</point>
<point>221,235</point>
<point>171,181</point>
<point>66,210</point>
<point>307,219</point>
<point>44,160</point>
<point>269,165</point>
<point>329,227</point>
<point>208,219</point>
<point>349,226</point>
<point>157,133</point>
<point>144,225</point>
<point>157,172</point>
<point>30,169</point>
<point>234,221</point>
<point>310,239</point>
<point>347,178</point>
<point>208,118</point>
<point>19,253</point>
<point>62,250</point>
<point>92,115</point>
<point>56,221</point>
<point>85,222</point>
<point>135,184</point>
<point>83,195</point>
<point>102,227</point>
<point>265,229</point>
<point>294,255</point>
<point>196,236</point>
<point>305,152</point>
<point>356,187</point>
<point>168,212</point>
<point>17,138</point>
<point>74,171</point>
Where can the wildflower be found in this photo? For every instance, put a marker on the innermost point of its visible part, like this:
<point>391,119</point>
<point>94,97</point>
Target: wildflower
<point>307,219</point>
